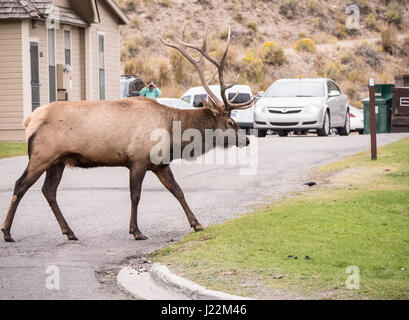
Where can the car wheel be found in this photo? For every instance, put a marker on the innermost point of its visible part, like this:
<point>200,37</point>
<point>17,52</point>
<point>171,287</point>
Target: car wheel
<point>261,133</point>
<point>326,126</point>
<point>361,131</point>
<point>283,133</point>
<point>346,129</point>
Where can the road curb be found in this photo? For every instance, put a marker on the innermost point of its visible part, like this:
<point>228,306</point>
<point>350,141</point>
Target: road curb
<point>171,285</point>
<point>165,277</point>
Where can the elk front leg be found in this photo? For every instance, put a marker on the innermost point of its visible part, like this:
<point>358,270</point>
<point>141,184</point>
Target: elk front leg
<point>165,175</point>
<point>51,183</point>
<point>136,178</point>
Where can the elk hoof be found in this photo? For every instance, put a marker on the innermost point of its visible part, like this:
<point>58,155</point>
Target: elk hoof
<point>72,237</point>
<point>198,228</point>
<point>9,239</point>
<point>7,236</point>
<point>140,236</point>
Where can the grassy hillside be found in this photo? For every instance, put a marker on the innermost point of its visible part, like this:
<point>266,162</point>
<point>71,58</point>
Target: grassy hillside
<point>270,39</point>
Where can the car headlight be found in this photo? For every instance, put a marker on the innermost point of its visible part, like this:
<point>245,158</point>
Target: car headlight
<point>312,108</point>
<point>259,108</point>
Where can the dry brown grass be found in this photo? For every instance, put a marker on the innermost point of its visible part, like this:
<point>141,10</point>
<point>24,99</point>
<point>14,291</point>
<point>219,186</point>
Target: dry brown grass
<point>252,26</point>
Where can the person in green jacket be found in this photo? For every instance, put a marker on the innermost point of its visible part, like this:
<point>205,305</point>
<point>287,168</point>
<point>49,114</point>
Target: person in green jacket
<point>151,91</point>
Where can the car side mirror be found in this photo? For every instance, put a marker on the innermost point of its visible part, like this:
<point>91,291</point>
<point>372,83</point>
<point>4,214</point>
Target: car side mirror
<point>260,94</point>
<point>334,93</point>
<point>134,93</point>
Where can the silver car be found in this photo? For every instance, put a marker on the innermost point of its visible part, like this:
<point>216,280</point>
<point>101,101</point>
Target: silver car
<point>301,105</point>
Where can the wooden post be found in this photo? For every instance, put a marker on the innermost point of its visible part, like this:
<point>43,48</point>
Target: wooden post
<point>372,114</point>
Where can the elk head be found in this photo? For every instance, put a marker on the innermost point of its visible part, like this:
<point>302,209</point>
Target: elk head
<point>220,109</point>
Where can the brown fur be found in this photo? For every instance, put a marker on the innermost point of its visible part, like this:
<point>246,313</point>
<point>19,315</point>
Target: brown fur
<point>105,133</point>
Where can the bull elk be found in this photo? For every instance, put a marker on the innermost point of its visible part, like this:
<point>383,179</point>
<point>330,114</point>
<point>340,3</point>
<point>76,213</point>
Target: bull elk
<point>90,134</point>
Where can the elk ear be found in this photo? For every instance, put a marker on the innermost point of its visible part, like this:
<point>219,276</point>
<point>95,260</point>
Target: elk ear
<point>211,106</point>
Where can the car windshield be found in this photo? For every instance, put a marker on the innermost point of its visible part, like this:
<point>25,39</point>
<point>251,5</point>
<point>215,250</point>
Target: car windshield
<point>296,88</point>
<point>197,100</point>
<point>241,97</point>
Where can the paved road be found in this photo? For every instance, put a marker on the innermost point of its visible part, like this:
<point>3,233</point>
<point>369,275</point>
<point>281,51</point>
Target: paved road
<point>96,204</point>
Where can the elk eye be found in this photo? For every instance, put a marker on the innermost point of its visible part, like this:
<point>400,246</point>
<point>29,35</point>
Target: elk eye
<point>230,123</point>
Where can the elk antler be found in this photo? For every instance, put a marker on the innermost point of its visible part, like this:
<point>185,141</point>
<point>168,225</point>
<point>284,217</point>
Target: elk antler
<point>226,104</point>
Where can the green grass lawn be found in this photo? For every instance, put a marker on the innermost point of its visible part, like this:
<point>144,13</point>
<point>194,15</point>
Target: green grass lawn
<point>12,149</point>
<point>361,218</point>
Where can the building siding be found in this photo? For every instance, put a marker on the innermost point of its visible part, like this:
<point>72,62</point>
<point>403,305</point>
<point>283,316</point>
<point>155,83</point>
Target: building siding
<point>15,91</point>
<point>11,81</point>
<point>110,27</point>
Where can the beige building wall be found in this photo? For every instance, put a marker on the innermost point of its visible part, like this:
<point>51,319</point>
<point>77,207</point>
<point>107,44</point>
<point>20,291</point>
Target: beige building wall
<point>110,28</point>
<point>77,62</point>
<point>11,81</point>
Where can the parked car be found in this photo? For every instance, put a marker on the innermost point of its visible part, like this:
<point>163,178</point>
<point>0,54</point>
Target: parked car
<point>357,119</point>
<point>301,105</point>
<point>130,86</point>
<point>174,103</point>
<point>244,118</point>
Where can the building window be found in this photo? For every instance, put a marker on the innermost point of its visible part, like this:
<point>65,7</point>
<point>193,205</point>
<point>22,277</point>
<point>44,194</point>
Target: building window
<point>101,66</point>
<point>51,66</point>
<point>67,46</point>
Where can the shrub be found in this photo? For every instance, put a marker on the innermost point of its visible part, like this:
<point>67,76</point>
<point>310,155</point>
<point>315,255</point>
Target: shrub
<point>302,35</point>
<point>127,5</point>
<point>306,45</point>
<point>223,34</point>
<point>363,5</point>
<point>289,8</point>
<point>371,22</point>
<point>165,3</point>
<point>253,67</point>
<point>389,38</point>
<point>134,22</point>
<point>272,54</point>
<point>252,26</point>
<point>247,40</point>
<point>371,56</point>
<point>238,17</point>
<point>135,66</point>
<point>393,13</point>
<point>334,70</point>
<point>314,7</point>
<point>179,67</point>
<point>317,23</point>
<point>347,57</point>
<point>131,47</point>
<point>341,31</point>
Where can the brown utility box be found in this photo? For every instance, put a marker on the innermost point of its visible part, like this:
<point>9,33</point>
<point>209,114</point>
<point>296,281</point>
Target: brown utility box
<point>400,109</point>
<point>402,81</point>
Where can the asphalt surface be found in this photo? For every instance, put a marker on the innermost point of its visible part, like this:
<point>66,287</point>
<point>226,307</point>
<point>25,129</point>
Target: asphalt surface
<point>96,204</point>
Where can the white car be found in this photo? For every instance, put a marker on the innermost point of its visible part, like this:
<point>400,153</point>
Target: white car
<point>174,103</point>
<point>244,118</point>
<point>357,119</point>
<point>301,105</point>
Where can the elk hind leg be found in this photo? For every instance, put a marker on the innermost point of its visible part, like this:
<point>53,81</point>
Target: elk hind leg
<point>51,183</point>
<point>28,178</point>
